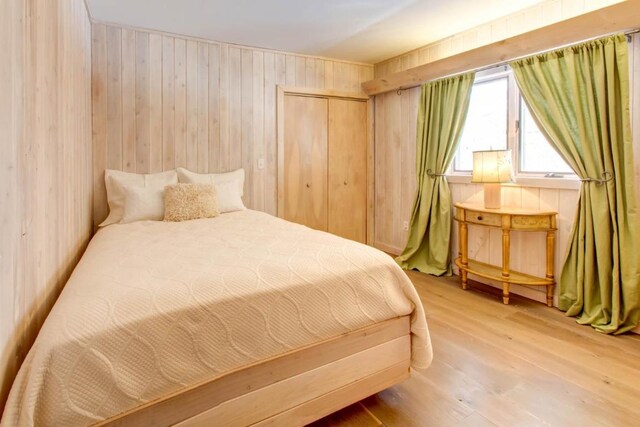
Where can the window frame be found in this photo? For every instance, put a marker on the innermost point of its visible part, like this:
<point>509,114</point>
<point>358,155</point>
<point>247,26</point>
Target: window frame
<point>514,140</point>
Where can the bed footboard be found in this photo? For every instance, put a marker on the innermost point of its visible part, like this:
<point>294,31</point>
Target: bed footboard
<point>295,388</point>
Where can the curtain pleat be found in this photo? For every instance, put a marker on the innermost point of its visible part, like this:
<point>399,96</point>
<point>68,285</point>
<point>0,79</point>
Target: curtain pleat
<point>441,117</point>
<point>579,97</point>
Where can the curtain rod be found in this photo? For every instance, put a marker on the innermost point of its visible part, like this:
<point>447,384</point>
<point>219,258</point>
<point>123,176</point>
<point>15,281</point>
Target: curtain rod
<point>504,63</point>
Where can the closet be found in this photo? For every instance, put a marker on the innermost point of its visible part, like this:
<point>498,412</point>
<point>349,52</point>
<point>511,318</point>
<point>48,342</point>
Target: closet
<point>323,165</point>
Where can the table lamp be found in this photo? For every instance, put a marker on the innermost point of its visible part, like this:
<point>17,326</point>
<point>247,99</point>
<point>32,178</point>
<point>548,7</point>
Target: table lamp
<point>492,168</point>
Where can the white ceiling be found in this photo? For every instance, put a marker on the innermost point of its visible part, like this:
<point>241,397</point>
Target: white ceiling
<point>357,30</point>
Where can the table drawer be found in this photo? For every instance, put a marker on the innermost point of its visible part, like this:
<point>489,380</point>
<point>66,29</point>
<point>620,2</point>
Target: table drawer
<point>484,218</point>
<point>538,222</point>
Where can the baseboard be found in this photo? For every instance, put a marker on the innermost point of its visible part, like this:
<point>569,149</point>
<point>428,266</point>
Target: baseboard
<point>387,248</point>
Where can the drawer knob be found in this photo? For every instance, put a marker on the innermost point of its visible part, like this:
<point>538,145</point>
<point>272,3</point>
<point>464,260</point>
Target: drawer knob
<point>308,185</point>
<point>479,217</point>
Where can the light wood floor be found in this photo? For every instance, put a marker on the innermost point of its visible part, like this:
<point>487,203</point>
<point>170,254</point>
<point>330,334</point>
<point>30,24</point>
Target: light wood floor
<point>519,365</point>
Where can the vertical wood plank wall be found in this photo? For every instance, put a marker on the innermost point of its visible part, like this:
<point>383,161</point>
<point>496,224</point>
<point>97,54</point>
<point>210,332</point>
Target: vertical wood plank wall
<point>161,101</point>
<point>45,166</point>
<point>395,147</point>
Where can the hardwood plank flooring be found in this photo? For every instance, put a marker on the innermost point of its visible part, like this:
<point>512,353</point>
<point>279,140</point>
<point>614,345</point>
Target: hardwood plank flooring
<point>518,365</point>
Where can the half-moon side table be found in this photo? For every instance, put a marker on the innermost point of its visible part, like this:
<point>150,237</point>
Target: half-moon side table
<point>506,219</point>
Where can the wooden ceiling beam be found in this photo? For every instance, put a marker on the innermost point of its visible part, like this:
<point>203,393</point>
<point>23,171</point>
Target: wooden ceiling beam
<point>622,16</point>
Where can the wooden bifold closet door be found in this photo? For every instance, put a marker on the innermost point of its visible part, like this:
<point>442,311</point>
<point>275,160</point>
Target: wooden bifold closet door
<point>305,161</point>
<point>325,164</point>
<point>347,175</point>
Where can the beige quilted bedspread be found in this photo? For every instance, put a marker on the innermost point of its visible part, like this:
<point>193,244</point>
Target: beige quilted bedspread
<point>154,307</point>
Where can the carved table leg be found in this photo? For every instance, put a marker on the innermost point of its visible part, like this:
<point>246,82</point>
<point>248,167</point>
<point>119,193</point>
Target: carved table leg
<point>506,244</point>
<point>550,295</point>
<point>505,293</point>
<point>551,238</point>
<point>464,255</point>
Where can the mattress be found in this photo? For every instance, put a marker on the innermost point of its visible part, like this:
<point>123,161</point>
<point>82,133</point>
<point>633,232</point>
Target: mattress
<point>155,307</point>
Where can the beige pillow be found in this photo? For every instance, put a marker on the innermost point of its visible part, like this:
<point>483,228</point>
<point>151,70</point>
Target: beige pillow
<point>229,187</point>
<point>142,204</point>
<point>117,180</point>
<point>183,202</point>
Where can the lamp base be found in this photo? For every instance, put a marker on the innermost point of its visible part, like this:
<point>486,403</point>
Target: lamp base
<point>492,196</point>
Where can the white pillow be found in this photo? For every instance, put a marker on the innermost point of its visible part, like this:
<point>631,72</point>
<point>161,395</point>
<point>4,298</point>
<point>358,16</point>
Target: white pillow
<point>228,197</point>
<point>116,180</point>
<point>143,203</point>
<point>229,187</point>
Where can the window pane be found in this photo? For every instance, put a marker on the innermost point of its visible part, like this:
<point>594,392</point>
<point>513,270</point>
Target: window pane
<point>536,154</point>
<point>486,125</point>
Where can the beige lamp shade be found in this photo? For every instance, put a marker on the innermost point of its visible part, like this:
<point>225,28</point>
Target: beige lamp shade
<point>492,166</point>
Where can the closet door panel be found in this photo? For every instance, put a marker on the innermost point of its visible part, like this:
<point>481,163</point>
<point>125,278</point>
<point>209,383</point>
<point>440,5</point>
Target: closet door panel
<point>305,161</point>
<point>347,178</point>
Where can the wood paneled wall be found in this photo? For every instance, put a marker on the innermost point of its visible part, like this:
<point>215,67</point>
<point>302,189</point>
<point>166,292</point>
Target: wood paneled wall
<point>394,166</point>
<point>161,101</point>
<point>539,15</point>
<point>395,186</point>
<point>45,166</point>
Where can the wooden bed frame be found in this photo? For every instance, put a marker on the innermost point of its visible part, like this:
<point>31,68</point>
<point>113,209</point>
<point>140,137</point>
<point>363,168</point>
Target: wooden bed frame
<point>295,388</point>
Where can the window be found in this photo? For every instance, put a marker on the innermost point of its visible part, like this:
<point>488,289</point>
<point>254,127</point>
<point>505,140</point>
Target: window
<point>486,125</point>
<point>498,119</point>
<point>536,154</point>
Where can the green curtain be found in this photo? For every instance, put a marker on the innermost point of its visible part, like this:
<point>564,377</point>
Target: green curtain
<point>441,116</point>
<point>579,97</point>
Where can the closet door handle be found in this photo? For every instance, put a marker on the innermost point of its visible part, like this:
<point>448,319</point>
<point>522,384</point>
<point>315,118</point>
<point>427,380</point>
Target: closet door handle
<point>345,183</point>
<point>308,185</point>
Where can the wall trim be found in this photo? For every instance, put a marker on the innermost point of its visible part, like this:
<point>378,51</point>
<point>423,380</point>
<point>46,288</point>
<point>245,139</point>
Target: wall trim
<point>525,181</point>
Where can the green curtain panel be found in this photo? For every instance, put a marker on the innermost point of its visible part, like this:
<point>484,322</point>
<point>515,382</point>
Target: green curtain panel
<point>441,116</point>
<point>579,96</point>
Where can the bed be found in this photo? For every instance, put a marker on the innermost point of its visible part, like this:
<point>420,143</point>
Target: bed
<point>243,319</point>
